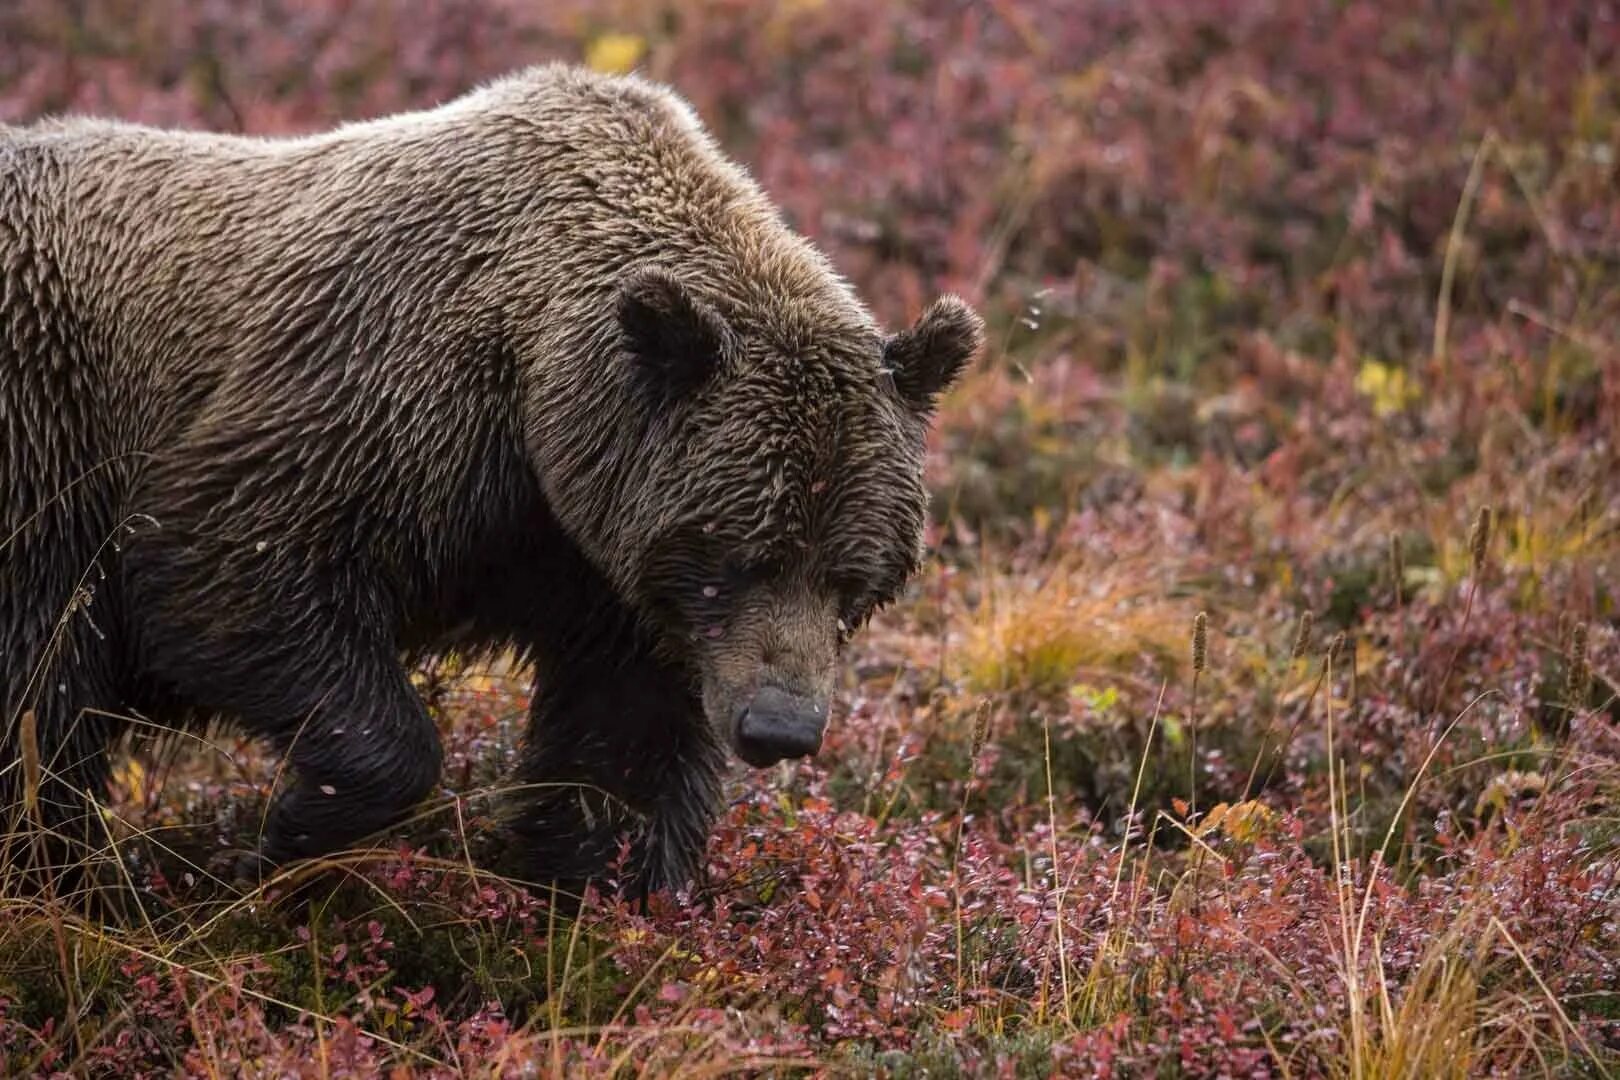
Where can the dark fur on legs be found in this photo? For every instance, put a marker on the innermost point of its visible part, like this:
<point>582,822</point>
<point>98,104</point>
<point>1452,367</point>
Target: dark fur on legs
<point>295,645</point>
<point>618,754</point>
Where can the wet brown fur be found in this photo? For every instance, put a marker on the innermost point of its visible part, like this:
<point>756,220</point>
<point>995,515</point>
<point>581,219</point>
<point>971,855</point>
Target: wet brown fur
<point>538,369</point>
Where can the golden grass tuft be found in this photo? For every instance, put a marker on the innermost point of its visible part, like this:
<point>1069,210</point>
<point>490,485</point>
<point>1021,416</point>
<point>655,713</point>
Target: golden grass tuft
<point>1039,637</point>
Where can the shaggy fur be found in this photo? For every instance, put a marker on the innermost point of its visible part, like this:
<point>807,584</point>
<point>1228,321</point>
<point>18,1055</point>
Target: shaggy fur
<point>537,369</point>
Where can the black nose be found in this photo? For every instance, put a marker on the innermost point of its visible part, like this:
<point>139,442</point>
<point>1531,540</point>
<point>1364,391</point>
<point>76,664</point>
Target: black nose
<point>777,725</point>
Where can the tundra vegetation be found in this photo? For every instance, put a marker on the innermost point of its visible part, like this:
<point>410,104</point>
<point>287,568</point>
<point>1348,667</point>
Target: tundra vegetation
<point>1255,712</point>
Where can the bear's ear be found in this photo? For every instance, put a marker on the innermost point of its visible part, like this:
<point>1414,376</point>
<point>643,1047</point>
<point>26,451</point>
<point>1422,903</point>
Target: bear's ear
<point>676,339</point>
<point>927,358</point>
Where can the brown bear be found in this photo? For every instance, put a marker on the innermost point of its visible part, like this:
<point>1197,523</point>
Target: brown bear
<point>538,369</point>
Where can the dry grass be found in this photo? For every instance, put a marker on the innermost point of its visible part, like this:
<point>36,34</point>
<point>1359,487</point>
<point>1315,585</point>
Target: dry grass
<point>1073,621</point>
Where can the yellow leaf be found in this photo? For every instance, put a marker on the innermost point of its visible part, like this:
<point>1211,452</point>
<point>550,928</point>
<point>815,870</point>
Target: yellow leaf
<point>1386,386</point>
<point>615,54</point>
<point>1246,820</point>
<point>131,776</point>
<point>1213,819</point>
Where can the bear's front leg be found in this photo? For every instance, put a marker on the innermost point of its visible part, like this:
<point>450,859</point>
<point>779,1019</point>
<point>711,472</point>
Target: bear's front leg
<point>618,751</point>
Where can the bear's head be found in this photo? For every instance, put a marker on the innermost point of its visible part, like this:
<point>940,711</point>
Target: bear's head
<point>794,487</point>
<point>771,496</point>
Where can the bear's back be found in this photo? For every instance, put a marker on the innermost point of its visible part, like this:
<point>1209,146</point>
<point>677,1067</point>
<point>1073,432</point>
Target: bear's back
<point>150,274</point>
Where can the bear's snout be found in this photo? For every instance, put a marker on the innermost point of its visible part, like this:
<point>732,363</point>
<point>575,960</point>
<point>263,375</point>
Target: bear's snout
<point>776,725</point>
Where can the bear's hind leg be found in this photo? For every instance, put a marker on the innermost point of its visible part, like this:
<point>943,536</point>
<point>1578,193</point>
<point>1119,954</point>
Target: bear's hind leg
<point>360,747</point>
<point>360,761</point>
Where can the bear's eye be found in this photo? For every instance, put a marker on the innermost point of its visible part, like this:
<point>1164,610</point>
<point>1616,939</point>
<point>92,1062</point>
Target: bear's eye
<point>857,600</point>
<point>853,617</point>
<point>741,570</point>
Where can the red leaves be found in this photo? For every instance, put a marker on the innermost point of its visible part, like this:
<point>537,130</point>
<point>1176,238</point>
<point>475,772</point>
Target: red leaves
<point>415,1001</point>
